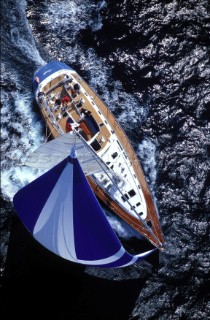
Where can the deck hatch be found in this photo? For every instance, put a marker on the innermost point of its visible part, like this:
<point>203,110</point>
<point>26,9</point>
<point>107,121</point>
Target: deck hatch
<point>131,193</point>
<point>114,155</point>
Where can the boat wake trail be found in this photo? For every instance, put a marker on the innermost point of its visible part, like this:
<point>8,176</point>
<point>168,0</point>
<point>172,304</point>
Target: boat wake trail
<point>21,128</point>
<point>17,35</point>
<point>146,153</point>
<point>21,133</point>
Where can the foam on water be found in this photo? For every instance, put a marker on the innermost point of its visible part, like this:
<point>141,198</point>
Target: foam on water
<point>74,15</point>
<point>146,152</point>
<point>21,35</point>
<point>26,47</point>
<point>21,134</point>
<point>65,21</point>
<point>20,127</point>
<point>121,228</point>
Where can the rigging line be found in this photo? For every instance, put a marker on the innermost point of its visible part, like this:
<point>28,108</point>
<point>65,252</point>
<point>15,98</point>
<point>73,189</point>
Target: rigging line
<point>52,116</point>
<point>47,136</point>
<point>104,169</point>
<point>74,140</point>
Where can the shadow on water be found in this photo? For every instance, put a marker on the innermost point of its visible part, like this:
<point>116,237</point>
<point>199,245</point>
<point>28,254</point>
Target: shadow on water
<point>38,284</point>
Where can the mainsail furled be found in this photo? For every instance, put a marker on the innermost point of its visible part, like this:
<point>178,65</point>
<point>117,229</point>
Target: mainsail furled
<point>62,213</point>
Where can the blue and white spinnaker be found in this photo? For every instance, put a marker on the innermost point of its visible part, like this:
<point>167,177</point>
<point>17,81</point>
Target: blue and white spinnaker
<point>61,212</point>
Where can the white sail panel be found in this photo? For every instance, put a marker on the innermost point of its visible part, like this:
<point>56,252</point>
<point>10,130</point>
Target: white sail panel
<point>53,152</point>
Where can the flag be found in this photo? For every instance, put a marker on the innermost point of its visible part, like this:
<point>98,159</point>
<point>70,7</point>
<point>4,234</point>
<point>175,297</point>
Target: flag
<point>37,79</point>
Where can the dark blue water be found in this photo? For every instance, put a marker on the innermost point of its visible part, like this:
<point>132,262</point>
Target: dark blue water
<point>149,61</point>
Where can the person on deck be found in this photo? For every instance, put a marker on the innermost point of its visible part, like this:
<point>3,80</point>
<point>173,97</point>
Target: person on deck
<point>65,100</point>
<point>80,103</point>
<point>77,88</point>
<point>85,112</point>
<point>70,125</point>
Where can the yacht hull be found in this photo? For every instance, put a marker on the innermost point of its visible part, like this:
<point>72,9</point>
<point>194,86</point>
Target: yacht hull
<point>57,81</point>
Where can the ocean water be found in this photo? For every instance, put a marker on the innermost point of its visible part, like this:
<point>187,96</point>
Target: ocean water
<point>149,61</point>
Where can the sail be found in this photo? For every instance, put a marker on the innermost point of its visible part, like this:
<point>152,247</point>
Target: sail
<point>54,151</point>
<point>62,213</point>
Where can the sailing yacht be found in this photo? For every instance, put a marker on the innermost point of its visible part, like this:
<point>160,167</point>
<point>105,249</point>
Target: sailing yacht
<point>76,118</point>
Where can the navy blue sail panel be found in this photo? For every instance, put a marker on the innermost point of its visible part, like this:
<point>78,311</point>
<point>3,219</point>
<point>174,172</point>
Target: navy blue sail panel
<point>46,70</point>
<point>62,213</point>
